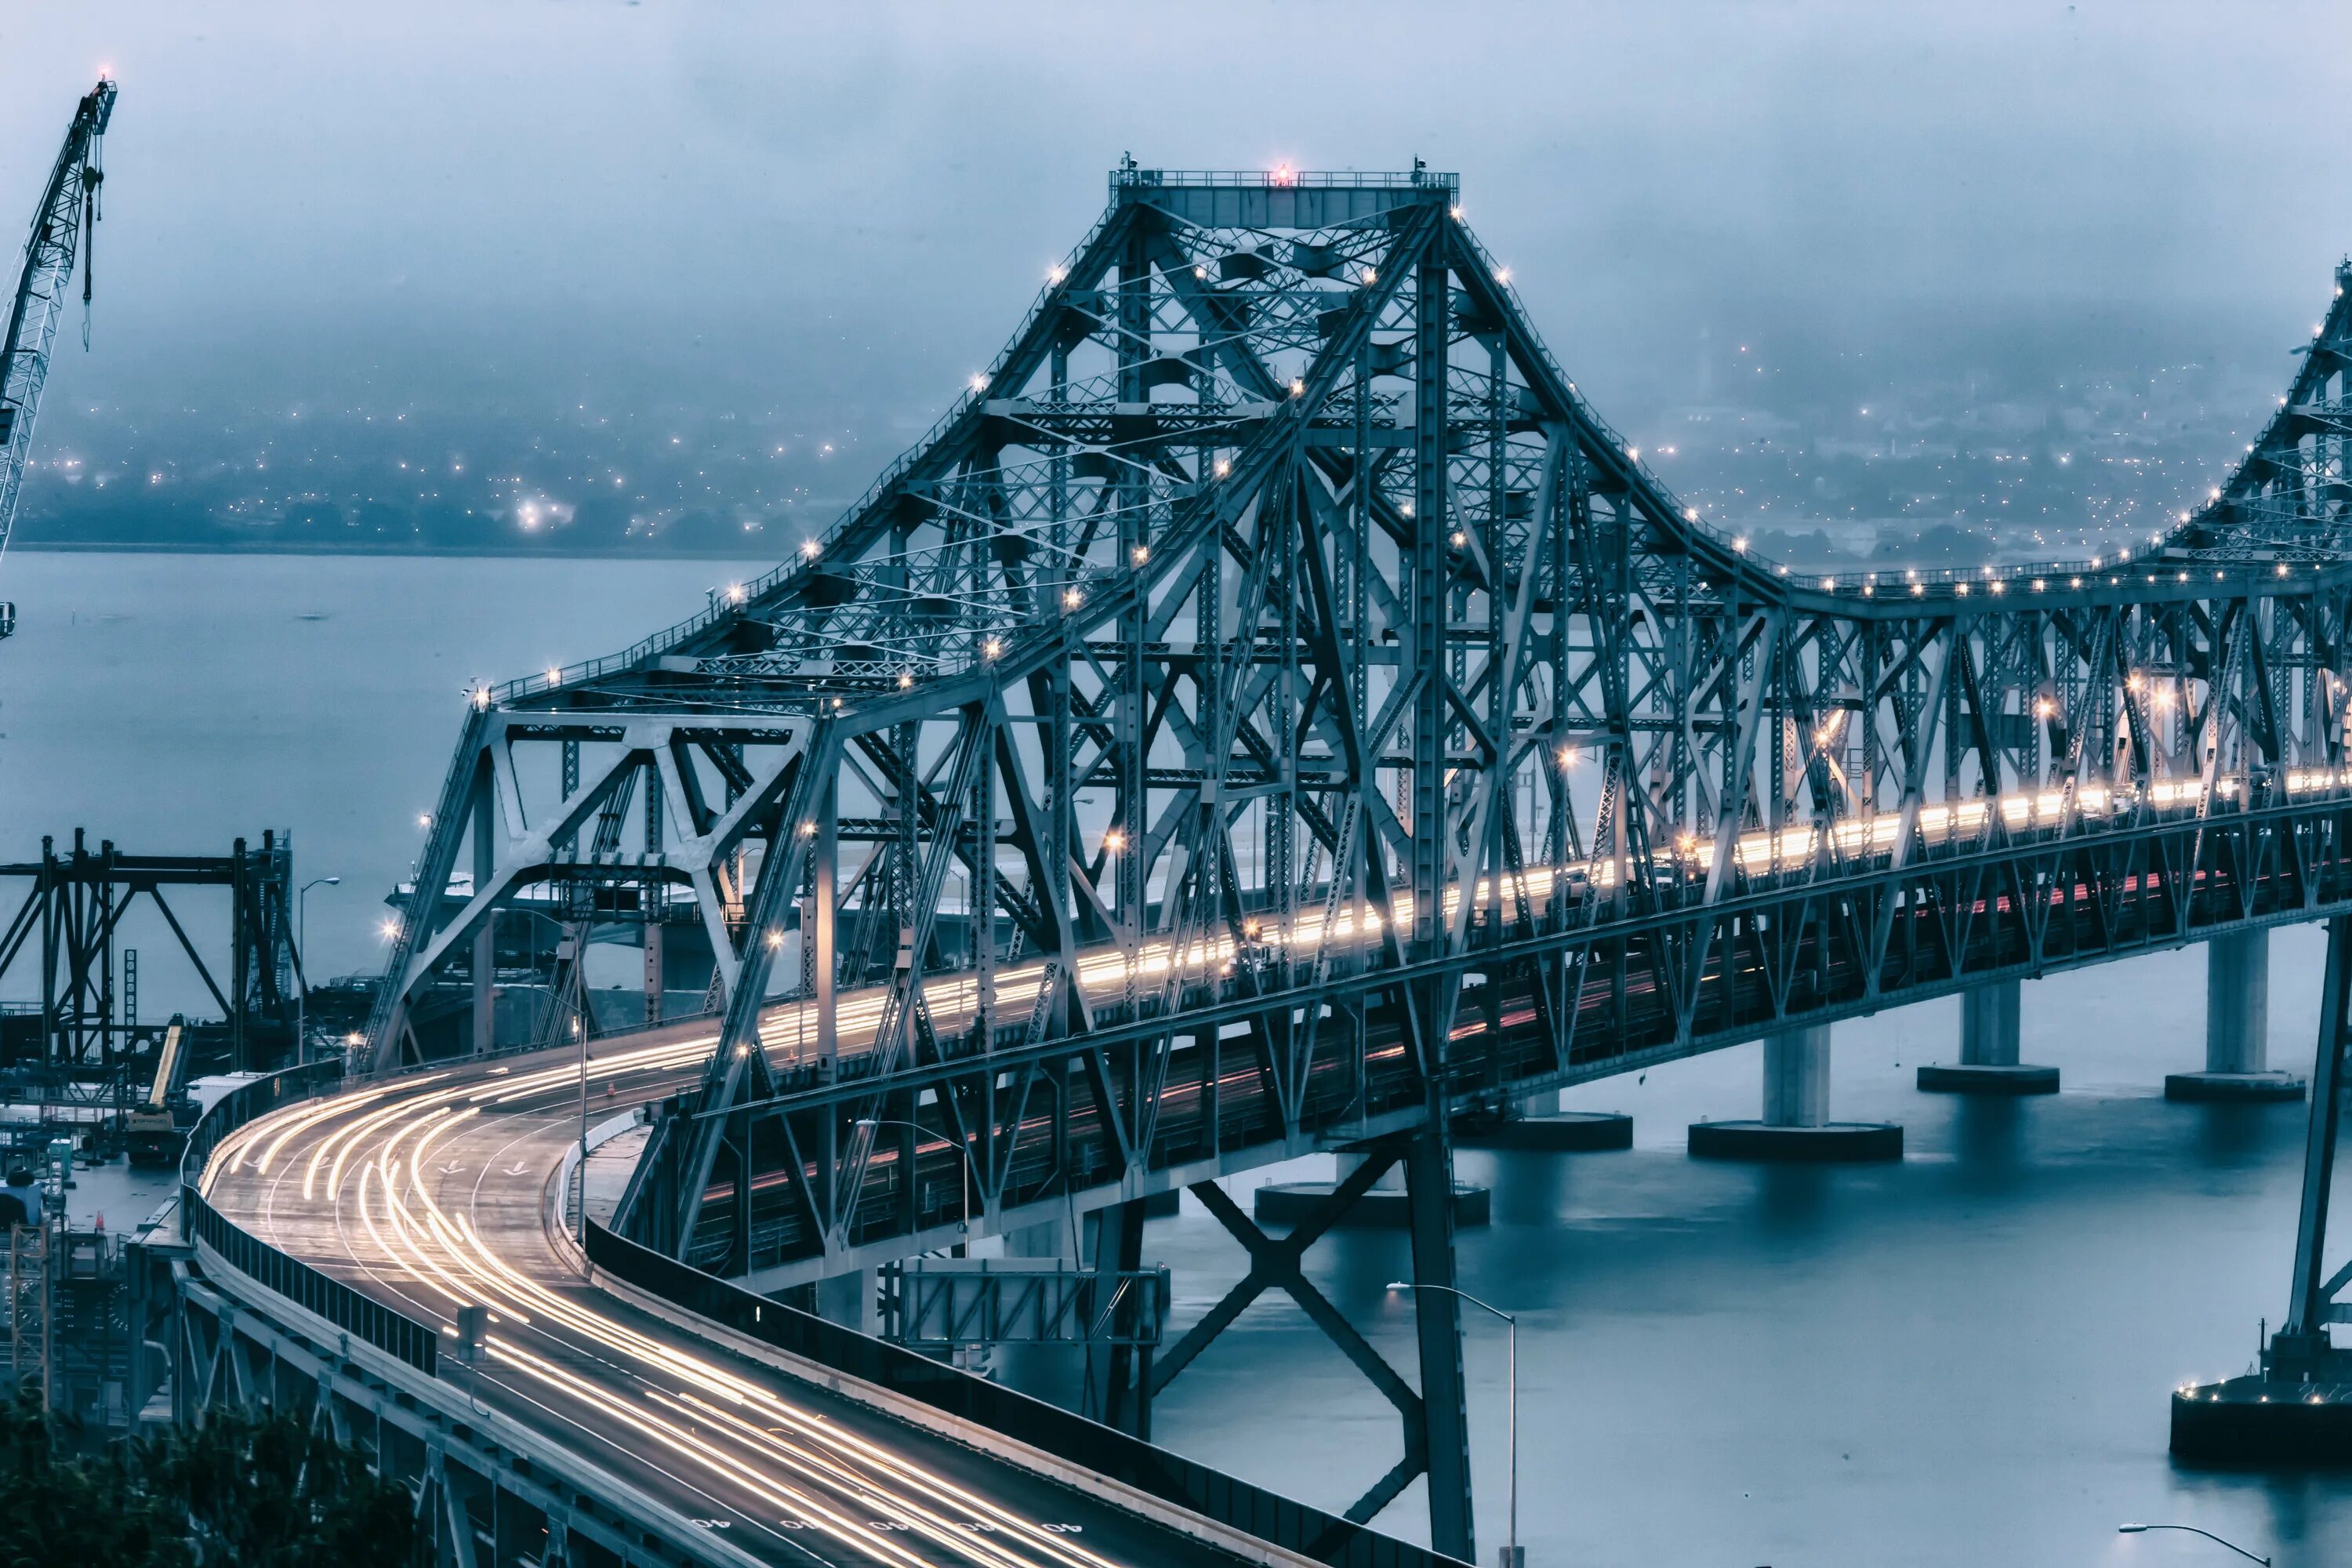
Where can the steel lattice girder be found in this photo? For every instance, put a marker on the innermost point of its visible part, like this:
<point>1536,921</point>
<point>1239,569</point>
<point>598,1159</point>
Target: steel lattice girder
<point>1274,643</point>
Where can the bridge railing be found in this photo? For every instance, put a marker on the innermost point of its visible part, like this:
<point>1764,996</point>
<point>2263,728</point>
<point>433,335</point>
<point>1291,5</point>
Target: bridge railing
<point>1062,1434</point>
<point>364,1317</point>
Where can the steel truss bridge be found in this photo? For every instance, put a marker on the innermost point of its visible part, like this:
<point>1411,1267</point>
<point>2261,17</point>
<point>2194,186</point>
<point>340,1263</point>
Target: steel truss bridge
<point>1271,711</point>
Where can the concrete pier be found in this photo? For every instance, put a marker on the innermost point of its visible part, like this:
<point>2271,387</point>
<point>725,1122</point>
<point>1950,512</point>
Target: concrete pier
<point>1989,1046</point>
<point>1383,1204</point>
<point>1796,1124</point>
<point>848,1299</point>
<point>2237,1027</point>
<point>1540,1126</point>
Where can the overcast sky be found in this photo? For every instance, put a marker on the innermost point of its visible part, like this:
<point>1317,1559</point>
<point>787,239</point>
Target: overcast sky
<point>849,204</point>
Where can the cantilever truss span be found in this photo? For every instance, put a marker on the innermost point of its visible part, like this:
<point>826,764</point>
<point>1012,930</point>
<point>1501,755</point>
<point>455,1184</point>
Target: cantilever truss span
<point>1271,707</point>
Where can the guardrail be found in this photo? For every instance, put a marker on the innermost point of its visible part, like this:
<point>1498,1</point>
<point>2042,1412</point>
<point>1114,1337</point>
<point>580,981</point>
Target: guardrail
<point>1062,1434</point>
<point>393,1333</point>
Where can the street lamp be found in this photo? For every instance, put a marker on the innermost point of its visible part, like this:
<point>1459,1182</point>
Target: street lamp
<point>302,959</point>
<point>925,1132</point>
<point>2140,1528</point>
<point>1511,1558</point>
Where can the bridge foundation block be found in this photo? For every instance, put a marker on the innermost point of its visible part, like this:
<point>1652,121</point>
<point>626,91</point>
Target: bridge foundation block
<point>1383,1205</point>
<point>1989,1045</point>
<point>2237,1027</point>
<point>1540,1126</point>
<point>1796,1125</point>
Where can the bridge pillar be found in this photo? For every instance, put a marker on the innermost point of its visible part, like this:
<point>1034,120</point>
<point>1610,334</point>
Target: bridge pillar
<point>2237,1027</point>
<point>1988,1038</point>
<point>848,1299</point>
<point>1383,1203</point>
<point>1796,1124</point>
<point>1542,1126</point>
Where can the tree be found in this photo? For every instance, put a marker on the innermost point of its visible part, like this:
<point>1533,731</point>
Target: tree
<point>256,1491</point>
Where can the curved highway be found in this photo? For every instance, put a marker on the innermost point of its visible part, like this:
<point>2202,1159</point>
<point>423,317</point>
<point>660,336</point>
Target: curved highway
<point>433,1191</point>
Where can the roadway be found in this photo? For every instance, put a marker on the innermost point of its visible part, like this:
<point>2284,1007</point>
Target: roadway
<point>433,1191</point>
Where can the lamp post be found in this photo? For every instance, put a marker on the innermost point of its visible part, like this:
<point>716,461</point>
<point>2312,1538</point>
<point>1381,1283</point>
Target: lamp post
<point>2140,1528</point>
<point>1511,1341</point>
<point>302,961</point>
<point>959,1148</point>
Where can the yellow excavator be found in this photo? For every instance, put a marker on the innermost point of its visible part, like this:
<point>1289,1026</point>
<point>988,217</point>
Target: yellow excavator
<point>156,1131</point>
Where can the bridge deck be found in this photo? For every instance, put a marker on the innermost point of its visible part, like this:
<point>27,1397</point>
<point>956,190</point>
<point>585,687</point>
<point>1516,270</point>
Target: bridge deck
<point>433,1192</point>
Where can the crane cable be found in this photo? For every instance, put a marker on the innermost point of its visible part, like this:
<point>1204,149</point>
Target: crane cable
<point>93,176</point>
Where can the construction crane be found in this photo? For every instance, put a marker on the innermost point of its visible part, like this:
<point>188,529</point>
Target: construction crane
<point>156,1129</point>
<point>62,228</point>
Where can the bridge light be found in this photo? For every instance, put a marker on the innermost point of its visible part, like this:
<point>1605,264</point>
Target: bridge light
<point>1568,756</point>
<point>1114,841</point>
<point>2073,582</point>
<point>978,383</point>
<point>1055,273</point>
<point>1829,584</point>
<point>1917,589</point>
<point>2094,564</point>
<point>1224,466</point>
<point>808,830</point>
<point>1139,554</point>
<point>2282,568</point>
<point>1784,571</point>
<point>2038,584</point>
<point>391,929</point>
<point>989,647</point>
<point>1298,387</point>
<point>1072,599</point>
<point>1457,218</point>
<point>2044,708</point>
<point>734,593</point>
<point>1740,544</point>
<point>1868,589</point>
<point>1503,276</point>
<point>1404,508</point>
<point>1962,589</point>
<point>423,820</point>
<point>809,548</point>
<point>775,939</point>
<point>1370,277</point>
<point>1633,454</point>
<point>2134,682</point>
<point>1459,539</point>
<point>1200,272</point>
<point>2215,492</point>
<point>2120,556</point>
<point>555,676</point>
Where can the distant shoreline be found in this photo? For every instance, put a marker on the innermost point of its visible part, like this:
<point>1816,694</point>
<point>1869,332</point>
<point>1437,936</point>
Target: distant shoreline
<point>282,547</point>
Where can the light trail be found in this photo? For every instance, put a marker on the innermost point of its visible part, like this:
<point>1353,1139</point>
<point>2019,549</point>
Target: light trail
<point>732,1438</point>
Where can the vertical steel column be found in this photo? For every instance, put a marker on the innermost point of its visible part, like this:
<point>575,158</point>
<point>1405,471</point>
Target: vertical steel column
<point>655,896</point>
<point>486,940</point>
<point>1131,819</point>
<point>1437,1323</point>
<point>240,932</point>
<point>826,964</point>
<point>2306,1314</point>
<point>1118,1250</point>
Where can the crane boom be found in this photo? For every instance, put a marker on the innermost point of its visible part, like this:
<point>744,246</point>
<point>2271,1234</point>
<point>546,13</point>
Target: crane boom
<point>61,228</point>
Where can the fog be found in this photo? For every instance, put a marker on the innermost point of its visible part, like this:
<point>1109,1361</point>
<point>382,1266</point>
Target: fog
<point>832,213</point>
